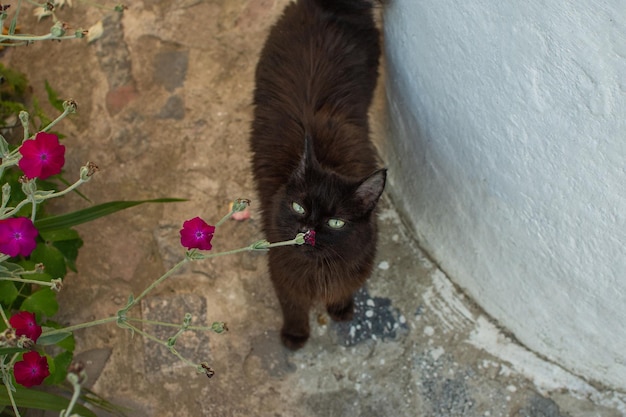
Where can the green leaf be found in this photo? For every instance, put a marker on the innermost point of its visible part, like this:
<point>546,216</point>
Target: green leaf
<point>59,235</point>
<point>8,292</point>
<point>69,343</point>
<point>67,241</point>
<point>68,220</point>
<point>30,398</point>
<point>10,350</point>
<point>52,259</point>
<point>43,302</point>
<point>61,362</point>
<point>69,249</point>
<point>29,265</point>
<point>11,268</point>
<point>53,97</point>
<point>52,339</point>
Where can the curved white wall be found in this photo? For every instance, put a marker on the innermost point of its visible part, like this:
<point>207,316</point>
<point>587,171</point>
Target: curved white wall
<point>508,151</point>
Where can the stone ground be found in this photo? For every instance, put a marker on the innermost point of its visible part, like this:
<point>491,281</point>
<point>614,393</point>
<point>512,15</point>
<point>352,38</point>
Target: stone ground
<point>164,110</point>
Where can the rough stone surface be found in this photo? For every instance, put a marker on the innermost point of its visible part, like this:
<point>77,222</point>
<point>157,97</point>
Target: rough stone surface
<point>164,110</point>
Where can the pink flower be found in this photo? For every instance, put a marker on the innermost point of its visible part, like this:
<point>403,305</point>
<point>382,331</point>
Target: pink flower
<point>309,238</point>
<point>32,370</point>
<point>42,157</point>
<point>25,324</point>
<point>196,234</point>
<point>17,236</point>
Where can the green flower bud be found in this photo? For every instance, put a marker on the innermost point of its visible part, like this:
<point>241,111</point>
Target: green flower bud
<point>262,245</point>
<point>240,204</point>
<point>24,116</point>
<point>4,147</point>
<point>57,30</point>
<point>70,106</point>
<point>300,239</point>
<point>28,187</point>
<point>186,321</point>
<point>6,194</point>
<point>219,327</point>
<point>87,171</point>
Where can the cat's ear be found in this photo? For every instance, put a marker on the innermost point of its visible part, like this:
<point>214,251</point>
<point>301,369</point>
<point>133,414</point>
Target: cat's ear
<point>371,188</point>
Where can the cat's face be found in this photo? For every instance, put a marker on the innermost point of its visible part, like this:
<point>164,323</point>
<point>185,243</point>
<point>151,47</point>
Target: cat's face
<point>338,209</point>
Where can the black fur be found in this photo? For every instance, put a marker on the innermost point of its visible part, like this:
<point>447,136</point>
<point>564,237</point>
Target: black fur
<point>310,142</point>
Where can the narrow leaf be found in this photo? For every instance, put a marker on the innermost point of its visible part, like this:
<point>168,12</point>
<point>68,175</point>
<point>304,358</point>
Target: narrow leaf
<point>53,97</point>
<point>10,350</point>
<point>52,339</point>
<point>67,220</point>
<point>30,398</point>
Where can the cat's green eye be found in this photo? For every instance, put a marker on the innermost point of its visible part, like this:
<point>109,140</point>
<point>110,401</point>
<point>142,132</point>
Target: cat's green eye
<point>336,223</point>
<point>297,208</point>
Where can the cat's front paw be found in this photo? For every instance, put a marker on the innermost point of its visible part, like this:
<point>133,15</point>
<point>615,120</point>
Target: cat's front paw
<point>341,312</point>
<point>293,341</point>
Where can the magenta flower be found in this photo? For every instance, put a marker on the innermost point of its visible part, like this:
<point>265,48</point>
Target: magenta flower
<point>25,324</point>
<point>32,370</point>
<point>42,157</point>
<point>196,234</point>
<point>309,238</point>
<point>17,236</point>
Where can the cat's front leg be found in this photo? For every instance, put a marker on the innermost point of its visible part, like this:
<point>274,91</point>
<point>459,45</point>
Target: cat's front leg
<point>296,329</point>
<point>342,310</point>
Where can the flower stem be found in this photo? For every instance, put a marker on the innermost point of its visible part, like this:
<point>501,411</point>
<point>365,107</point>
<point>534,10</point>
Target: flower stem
<point>62,116</point>
<point>75,396</point>
<point>223,219</point>
<point>284,243</point>
<point>81,326</point>
<point>13,404</point>
<point>67,190</point>
<point>4,318</point>
<point>158,281</point>
<point>162,343</point>
<point>28,281</point>
<point>14,210</point>
<point>160,323</point>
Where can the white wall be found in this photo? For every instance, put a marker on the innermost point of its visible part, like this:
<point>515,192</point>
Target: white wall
<point>508,151</point>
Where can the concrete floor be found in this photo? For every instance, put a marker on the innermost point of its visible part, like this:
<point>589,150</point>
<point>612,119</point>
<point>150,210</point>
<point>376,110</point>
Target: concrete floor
<point>164,110</point>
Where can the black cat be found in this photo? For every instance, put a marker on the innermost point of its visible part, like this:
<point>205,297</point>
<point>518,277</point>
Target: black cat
<point>314,165</point>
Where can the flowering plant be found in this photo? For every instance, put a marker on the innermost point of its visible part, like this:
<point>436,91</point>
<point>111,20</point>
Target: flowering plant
<point>35,252</point>
<point>58,31</point>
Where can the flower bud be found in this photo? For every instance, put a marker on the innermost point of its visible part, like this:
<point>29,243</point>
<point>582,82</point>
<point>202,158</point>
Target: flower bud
<point>28,187</point>
<point>57,285</point>
<point>186,321</point>
<point>208,371</point>
<point>4,147</point>
<point>25,342</point>
<point>87,171</point>
<point>219,327</point>
<point>57,30</point>
<point>8,338</point>
<point>70,106</point>
<point>24,117</point>
<point>240,204</point>
<point>263,245</point>
<point>6,194</point>
<point>300,239</point>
